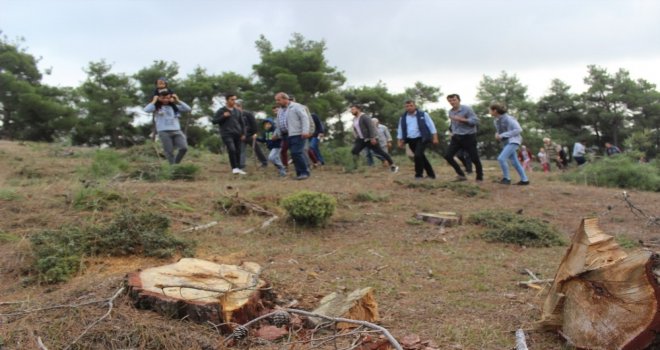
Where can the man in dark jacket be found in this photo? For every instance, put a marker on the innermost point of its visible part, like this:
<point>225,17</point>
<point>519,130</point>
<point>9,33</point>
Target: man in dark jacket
<point>366,135</point>
<point>314,149</point>
<point>416,128</point>
<point>232,131</point>
<point>250,137</point>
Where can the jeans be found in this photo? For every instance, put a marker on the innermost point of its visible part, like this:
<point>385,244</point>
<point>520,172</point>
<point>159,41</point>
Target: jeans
<point>509,153</point>
<point>314,146</point>
<point>297,148</point>
<point>274,157</point>
<point>233,143</point>
<point>172,139</point>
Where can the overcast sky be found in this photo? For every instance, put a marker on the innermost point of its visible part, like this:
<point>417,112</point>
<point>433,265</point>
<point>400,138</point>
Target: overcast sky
<point>450,44</point>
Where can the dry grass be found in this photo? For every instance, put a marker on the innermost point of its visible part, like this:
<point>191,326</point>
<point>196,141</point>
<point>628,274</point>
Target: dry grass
<point>442,283</point>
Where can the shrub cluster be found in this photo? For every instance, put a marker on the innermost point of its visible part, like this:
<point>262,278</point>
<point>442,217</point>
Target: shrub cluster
<point>618,171</point>
<point>507,227</point>
<point>310,208</point>
<point>58,254</point>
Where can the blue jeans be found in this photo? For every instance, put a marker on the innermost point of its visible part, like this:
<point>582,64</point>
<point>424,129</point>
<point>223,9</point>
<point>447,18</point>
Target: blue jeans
<point>509,153</point>
<point>297,147</point>
<point>314,145</point>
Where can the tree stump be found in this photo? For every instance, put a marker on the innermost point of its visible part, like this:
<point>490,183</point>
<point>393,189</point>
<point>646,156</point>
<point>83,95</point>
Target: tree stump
<point>603,298</point>
<point>444,218</point>
<point>200,291</point>
<point>360,304</point>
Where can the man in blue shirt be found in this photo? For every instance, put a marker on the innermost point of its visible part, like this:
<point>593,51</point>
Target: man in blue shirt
<point>417,129</point>
<point>463,136</point>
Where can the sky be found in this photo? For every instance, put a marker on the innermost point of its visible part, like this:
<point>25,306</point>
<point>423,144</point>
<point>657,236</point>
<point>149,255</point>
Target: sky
<point>443,43</point>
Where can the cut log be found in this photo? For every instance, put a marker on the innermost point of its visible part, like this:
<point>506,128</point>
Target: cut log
<point>357,305</point>
<point>444,218</point>
<point>200,291</point>
<point>602,298</point>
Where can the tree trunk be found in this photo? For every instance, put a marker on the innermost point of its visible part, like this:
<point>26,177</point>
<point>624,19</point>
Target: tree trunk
<point>200,291</point>
<point>601,297</point>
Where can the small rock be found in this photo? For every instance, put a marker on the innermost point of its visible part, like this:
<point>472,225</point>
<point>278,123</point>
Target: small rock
<point>271,333</point>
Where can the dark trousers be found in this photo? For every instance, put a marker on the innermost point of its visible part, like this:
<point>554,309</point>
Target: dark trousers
<point>417,146</point>
<point>233,143</point>
<point>464,157</point>
<point>360,144</point>
<point>297,147</point>
<point>469,144</point>
<point>257,150</point>
<point>284,152</point>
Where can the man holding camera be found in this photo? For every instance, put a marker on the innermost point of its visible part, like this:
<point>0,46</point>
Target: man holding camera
<point>167,123</point>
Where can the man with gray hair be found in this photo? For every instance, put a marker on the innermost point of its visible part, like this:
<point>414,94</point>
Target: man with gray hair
<point>293,121</point>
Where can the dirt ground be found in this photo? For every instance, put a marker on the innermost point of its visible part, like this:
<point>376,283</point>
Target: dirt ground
<point>445,284</point>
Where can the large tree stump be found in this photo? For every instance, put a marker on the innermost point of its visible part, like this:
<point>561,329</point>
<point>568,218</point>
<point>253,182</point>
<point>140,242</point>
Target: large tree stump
<point>601,297</point>
<point>200,290</point>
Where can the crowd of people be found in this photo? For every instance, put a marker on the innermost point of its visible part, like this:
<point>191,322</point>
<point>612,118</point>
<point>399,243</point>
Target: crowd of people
<point>293,129</point>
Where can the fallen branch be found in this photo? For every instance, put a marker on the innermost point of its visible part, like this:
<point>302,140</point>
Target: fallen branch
<point>521,344</point>
<point>650,219</point>
<point>40,344</point>
<point>534,283</point>
<point>12,302</point>
<point>71,306</point>
<point>264,224</point>
<point>200,227</point>
<point>110,306</point>
<point>242,330</point>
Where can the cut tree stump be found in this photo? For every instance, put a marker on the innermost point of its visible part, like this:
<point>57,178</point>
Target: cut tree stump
<point>444,218</point>
<point>360,304</point>
<point>200,291</point>
<point>603,298</point>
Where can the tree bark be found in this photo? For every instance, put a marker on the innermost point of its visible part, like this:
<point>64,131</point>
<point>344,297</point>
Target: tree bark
<point>603,298</point>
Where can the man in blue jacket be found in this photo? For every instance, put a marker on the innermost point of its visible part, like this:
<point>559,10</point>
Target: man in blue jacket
<point>417,129</point>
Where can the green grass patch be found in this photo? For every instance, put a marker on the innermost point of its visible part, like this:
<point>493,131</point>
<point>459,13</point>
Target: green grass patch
<point>626,242</point>
<point>93,198</point>
<point>310,208</point>
<point>8,195</point>
<point>107,163</point>
<point>507,227</point>
<point>59,253</point>
<point>370,197</point>
<point>617,171</point>
<point>6,237</point>
<point>465,189</point>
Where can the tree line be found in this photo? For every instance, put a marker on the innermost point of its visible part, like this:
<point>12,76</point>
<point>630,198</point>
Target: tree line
<point>615,107</point>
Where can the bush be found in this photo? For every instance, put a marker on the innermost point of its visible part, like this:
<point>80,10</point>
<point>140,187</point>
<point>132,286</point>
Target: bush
<point>310,208</point>
<point>617,171</point>
<point>107,163</point>
<point>58,254</point>
<point>188,172</point>
<point>507,227</point>
<point>93,198</point>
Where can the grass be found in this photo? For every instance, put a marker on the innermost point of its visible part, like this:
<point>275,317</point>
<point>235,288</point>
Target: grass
<point>507,227</point>
<point>463,305</point>
<point>618,171</point>
<point>465,189</point>
<point>370,196</point>
<point>8,195</point>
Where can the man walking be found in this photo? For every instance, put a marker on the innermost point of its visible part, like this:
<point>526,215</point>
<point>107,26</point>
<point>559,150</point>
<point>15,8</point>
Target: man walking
<point>292,120</point>
<point>250,136</point>
<point>167,123</point>
<point>463,137</point>
<point>232,131</point>
<point>508,132</point>
<point>579,151</point>
<point>417,129</point>
<point>366,135</point>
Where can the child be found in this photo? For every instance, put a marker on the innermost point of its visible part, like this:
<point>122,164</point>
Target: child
<point>543,158</point>
<point>161,89</point>
<point>525,157</point>
<point>272,145</point>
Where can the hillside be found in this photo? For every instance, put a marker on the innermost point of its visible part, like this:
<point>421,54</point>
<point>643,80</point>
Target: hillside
<point>445,284</point>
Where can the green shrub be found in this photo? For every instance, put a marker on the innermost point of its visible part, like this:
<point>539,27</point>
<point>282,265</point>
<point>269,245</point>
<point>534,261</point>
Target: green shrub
<point>8,237</point>
<point>617,171</point>
<point>369,197</point>
<point>8,195</point>
<point>107,163</point>
<point>340,156</point>
<point>188,172</point>
<point>58,254</point>
<point>460,188</point>
<point>93,198</point>
<point>310,208</point>
<point>507,227</point>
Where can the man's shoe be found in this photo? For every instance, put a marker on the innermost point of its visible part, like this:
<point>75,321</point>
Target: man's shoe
<point>522,183</point>
<point>505,182</point>
<point>238,171</point>
<point>394,169</point>
<point>460,178</point>
<point>302,177</point>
